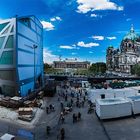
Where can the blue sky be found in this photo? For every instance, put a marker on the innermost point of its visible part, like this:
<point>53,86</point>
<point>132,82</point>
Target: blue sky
<point>80,29</point>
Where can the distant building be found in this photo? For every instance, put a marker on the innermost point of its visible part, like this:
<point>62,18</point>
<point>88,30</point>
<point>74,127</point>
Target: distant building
<point>71,64</point>
<point>21,55</point>
<point>124,58</point>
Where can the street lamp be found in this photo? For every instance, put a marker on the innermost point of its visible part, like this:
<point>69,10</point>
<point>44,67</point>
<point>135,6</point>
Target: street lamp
<point>34,47</point>
<point>22,88</point>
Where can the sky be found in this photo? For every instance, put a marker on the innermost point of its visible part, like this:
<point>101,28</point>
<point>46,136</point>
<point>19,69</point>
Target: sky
<point>81,29</point>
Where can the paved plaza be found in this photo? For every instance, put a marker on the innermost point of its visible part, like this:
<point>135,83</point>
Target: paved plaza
<point>88,128</point>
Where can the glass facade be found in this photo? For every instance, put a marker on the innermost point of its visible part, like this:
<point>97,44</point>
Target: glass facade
<point>1,41</point>
<point>6,58</point>
<point>9,43</point>
<point>21,60</point>
<point>2,26</point>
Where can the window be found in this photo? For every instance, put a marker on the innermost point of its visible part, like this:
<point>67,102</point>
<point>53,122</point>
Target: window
<point>6,31</point>
<point>9,43</point>
<point>1,41</point>
<point>26,21</point>
<point>6,58</point>
<point>2,26</point>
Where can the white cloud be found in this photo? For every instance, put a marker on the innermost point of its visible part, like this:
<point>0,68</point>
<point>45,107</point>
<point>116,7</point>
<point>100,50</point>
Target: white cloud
<point>128,19</point>
<point>74,45</point>
<point>52,19</point>
<point>88,45</point>
<point>47,25</point>
<point>73,53</point>
<point>56,19</point>
<point>48,57</point>
<point>90,52</point>
<point>96,16</point>
<point>111,37</point>
<point>66,47</point>
<point>98,37</point>
<point>85,6</point>
<point>93,15</point>
<point>120,8</point>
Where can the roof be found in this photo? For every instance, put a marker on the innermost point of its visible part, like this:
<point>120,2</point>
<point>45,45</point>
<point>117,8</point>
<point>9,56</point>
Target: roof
<point>131,35</point>
<point>111,101</point>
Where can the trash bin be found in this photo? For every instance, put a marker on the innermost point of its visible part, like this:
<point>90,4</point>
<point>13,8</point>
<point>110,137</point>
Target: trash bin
<point>102,96</point>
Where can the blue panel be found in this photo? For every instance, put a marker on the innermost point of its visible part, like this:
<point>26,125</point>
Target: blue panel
<point>25,133</point>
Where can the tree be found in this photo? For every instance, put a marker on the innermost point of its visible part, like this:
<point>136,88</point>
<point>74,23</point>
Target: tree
<point>99,67</point>
<point>47,66</point>
<point>136,69</point>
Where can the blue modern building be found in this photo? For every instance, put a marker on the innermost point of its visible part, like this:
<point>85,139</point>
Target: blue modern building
<point>21,55</point>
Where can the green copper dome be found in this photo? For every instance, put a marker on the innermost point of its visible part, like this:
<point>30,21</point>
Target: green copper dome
<point>131,35</point>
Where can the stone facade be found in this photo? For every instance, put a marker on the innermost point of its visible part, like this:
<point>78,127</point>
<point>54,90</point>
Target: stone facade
<point>123,59</point>
<point>71,64</point>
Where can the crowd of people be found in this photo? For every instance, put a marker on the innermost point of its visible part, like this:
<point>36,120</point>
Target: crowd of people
<point>50,108</point>
<point>70,98</point>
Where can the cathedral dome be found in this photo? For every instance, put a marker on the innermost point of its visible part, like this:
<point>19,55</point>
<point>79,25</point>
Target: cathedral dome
<point>131,35</point>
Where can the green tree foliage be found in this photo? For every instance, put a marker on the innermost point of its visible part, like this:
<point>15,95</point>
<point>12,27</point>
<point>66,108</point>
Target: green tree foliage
<point>50,70</point>
<point>47,66</point>
<point>136,69</point>
<point>99,67</point>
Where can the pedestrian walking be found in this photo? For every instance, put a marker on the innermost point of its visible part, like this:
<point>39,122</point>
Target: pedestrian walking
<point>62,119</point>
<point>48,129</point>
<point>47,110</point>
<point>77,103</point>
<point>84,98</point>
<point>74,117</point>
<point>83,103</point>
<point>50,106</point>
<point>53,108</point>
<point>79,116</point>
<point>62,106</point>
<point>62,132</point>
<point>61,114</point>
<point>71,101</point>
<point>66,97</point>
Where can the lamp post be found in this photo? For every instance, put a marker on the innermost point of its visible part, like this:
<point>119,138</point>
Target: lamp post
<point>22,88</point>
<point>34,47</point>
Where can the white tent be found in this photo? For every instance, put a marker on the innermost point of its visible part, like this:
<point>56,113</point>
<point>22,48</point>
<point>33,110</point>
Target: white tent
<point>113,108</point>
<point>7,136</point>
<point>135,100</point>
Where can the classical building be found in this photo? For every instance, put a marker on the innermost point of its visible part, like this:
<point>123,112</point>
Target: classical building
<point>71,64</point>
<point>124,58</point>
<point>21,55</point>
